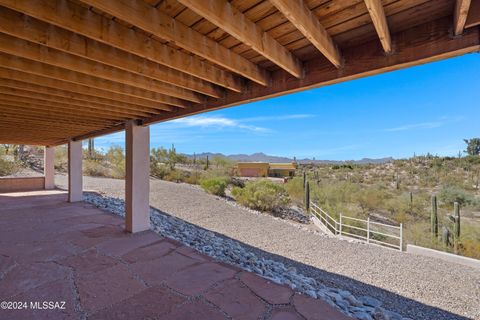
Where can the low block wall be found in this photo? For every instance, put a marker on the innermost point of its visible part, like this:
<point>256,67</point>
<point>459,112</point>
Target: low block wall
<point>443,255</point>
<point>21,184</point>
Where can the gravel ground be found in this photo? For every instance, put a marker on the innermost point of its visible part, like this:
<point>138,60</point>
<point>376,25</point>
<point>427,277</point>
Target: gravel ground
<point>414,286</point>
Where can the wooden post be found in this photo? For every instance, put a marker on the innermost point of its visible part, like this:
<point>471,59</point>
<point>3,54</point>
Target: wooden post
<point>49,167</point>
<point>137,178</point>
<point>75,176</point>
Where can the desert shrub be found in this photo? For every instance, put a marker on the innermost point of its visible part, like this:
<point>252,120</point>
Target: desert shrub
<point>61,159</point>
<point>214,186</point>
<point>116,159</point>
<point>8,167</point>
<point>95,168</point>
<point>450,194</point>
<point>334,193</point>
<point>176,175</point>
<point>370,199</point>
<point>263,195</point>
<point>295,190</point>
<point>159,170</point>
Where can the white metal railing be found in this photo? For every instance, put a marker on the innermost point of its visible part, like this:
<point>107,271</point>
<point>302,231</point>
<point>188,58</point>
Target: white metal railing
<point>387,235</point>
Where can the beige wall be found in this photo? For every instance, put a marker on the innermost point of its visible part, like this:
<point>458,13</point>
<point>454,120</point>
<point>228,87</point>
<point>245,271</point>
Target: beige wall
<point>21,184</point>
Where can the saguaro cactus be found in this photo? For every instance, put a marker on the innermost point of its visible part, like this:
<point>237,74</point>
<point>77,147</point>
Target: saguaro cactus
<point>456,228</point>
<point>434,217</point>
<point>307,196</point>
<point>446,237</point>
<point>304,179</point>
<point>455,218</point>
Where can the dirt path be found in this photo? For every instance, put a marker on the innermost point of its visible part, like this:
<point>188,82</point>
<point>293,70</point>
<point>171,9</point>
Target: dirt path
<point>414,286</point>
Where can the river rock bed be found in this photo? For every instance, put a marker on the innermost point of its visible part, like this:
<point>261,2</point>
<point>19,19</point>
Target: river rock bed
<point>232,252</point>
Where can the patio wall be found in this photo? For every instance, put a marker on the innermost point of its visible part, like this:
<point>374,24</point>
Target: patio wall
<point>21,184</point>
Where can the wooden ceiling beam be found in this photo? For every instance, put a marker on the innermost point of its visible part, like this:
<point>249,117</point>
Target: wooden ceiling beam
<point>40,106</point>
<point>78,19</point>
<point>379,19</point>
<point>473,17</point>
<point>29,50</point>
<point>225,16</point>
<point>37,68</point>
<point>32,116</point>
<point>149,19</point>
<point>117,99</point>
<point>103,104</point>
<point>72,104</point>
<point>26,28</point>
<point>460,16</point>
<point>297,12</point>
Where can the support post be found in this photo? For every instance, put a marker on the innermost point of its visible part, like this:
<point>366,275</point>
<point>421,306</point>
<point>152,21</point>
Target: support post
<point>75,178</point>
<point>401,236</point>
<point>368,230</point>
<point>340,224</point>
<point>137,182</point>
<point>49,167</point>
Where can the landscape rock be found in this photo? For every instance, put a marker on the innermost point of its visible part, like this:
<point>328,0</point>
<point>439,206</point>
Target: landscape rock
<point>232,252</point>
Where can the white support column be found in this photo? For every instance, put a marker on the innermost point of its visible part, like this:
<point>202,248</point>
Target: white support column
<point>137,180</point>
<point>75,178</point>
<point>49,167</point>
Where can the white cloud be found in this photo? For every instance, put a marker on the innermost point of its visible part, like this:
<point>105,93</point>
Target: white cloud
<point>444,120</point>
<point>218,122</point>
<point>279,118</point>
<point>423,125</point>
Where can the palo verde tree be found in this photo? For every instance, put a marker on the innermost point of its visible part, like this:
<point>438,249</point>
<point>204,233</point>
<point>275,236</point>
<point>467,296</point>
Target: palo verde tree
<point>473,146</point>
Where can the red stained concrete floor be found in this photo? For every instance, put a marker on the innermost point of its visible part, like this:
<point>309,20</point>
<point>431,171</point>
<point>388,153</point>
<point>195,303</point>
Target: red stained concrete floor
<point>51,250</point>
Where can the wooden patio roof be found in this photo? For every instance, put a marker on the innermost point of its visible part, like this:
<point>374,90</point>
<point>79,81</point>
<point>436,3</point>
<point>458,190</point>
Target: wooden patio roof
<point>73,69</point>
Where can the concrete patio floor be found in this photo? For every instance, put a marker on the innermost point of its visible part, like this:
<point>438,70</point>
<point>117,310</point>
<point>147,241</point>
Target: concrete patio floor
<point>79,257</point>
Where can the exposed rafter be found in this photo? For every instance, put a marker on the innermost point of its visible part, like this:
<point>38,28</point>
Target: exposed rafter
<point>36,52</point>
<point>227,17</point>
<point>71,102</point>
<point>105,104</point>
<point>118,99</point>
<point>37,68</point>
<point>80,20</point>
<point>460,15</point>
<point>473,18</point>
<point>377,13</point>
<point>148,18</point>
<point>303,19</point>
<point>17,25</point>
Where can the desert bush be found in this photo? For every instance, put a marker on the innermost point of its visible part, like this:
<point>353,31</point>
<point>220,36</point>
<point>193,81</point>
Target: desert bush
<point>159,170</point>
<point>295,189</point>
<point>263,195</point>
<point>115,157</point>
<point>8,167</point>
<point>450,194</point>
<point>95,168</point>
<point>61,159</point>
<point>214,186</point>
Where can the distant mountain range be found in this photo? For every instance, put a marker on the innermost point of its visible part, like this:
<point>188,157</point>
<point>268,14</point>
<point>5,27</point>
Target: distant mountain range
<point>262,157</point>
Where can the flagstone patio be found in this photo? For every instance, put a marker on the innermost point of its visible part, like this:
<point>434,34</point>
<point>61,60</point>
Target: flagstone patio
<point>81,258</point>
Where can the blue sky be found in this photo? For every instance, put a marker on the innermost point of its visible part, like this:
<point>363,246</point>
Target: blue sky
<point>428,108</point>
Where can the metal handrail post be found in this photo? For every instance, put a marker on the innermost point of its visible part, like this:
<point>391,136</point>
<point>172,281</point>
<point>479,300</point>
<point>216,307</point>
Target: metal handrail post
<point>401,236</point>
<point>340,223</point>
<point>368,229</point>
